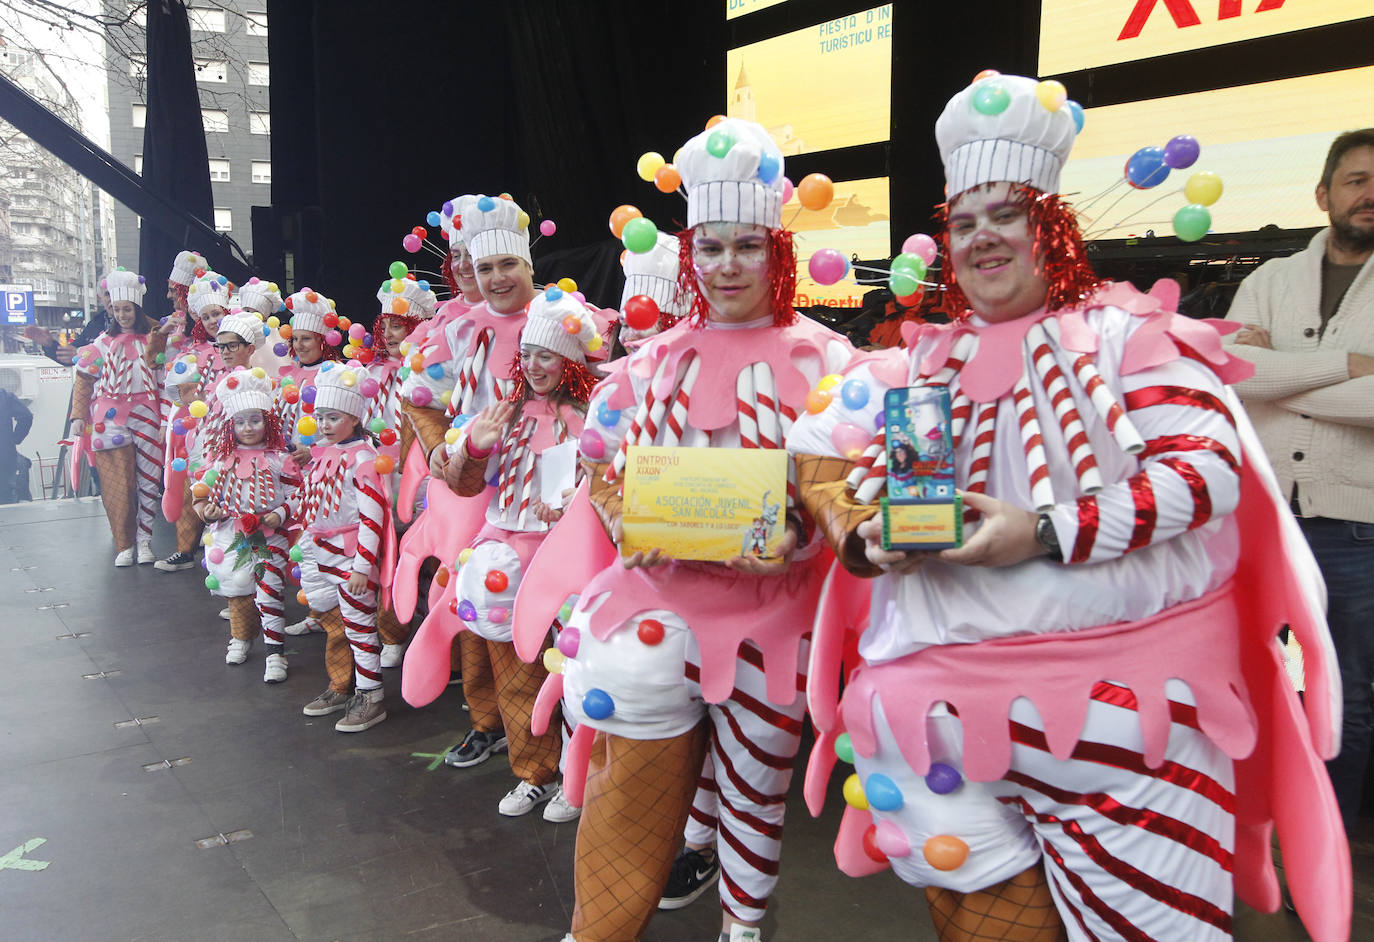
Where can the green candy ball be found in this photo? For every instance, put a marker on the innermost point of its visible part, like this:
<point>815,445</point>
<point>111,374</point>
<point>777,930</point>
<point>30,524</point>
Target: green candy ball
<point>844,748</point>
<point>398,269</point>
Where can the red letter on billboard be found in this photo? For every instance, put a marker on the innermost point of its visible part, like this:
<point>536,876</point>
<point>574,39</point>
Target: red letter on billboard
<point>1181,10</point>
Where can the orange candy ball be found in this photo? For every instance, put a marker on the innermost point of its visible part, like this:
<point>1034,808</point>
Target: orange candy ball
<point>945,852</point>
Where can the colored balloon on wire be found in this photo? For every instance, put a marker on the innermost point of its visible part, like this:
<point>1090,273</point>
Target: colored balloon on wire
<point>827,266</point>
<point>648,165</point>
<point>620,216</point>
<point>548,227</point>
<point>640,235</point>
<point>1203,187</point>
<point>816,191</point>
<point>787,189</point>
<point>1182,151</point>
<point>411,243</point>
<point>911,264</point>
<point>1146,168</point>
<point>922,245</point>
<point>641,312</point>
<point>1192,222</point>
<point>667,179</point>
<point>398,269</point>
<point>903,283</point>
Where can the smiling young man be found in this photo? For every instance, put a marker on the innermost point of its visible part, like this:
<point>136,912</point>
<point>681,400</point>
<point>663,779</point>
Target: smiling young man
<point>1036,727</point>
<point>701,658</point>
<point>1309,330</point>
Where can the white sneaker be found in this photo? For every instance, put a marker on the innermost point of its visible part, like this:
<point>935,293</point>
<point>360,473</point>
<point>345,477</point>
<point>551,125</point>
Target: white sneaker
<point>125,558</point>
<point>393,655</point>
<point>275,671</point>
<point>145,552</point>
<point>238,651</point>
<point>305,626</point>
<point>524,798</point>
<point>740,933</point>
<point>559,810</point>
<point>224,613</point>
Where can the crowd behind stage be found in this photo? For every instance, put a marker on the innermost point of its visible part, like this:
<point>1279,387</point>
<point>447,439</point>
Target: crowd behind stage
<point>1072,720</point>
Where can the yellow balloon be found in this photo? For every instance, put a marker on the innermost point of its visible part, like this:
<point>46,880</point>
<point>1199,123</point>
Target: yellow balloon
<point>273,322</point>
<point>567,284</point>
<point>199,408</point>
<point>553,661</point>
<point>1052,94</point>
<point>259,372</point>
<point>464,556</point>
<point>594,344</point>
<point>451,435</point>
<point>648,165</point>
<point>208,539</point>
<point>446,396</point>
<point>306,425</point>
<point>854,793</point>
<point>1203,187</point>
<point>829,382</point>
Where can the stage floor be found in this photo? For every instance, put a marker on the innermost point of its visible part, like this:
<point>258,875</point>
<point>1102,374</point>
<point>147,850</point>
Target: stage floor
<point>130,753</point>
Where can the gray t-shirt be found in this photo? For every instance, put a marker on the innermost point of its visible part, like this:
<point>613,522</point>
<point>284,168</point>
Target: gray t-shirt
<point>1336,281</point>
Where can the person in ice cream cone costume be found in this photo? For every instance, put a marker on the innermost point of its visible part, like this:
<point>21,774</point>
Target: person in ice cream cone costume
<point>676,663</point>
<point>115,417</point>
<point>508,442</point>
<point>405,303</point>
<point>1077,722</point>
<point>193,369</point>
<point>242,497</point>
<point>174,334</point>
<point>344,506</point>
<point>479,351</point>
<point>313,337</point>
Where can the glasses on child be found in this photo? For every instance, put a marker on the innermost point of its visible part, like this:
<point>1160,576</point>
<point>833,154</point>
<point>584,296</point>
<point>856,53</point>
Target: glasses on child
<point>230,347</point>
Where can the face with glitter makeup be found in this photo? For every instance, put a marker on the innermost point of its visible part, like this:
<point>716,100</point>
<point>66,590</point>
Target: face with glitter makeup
<point>730,261</point>
<point>335,426</point>
<point>543,368</point>
<point>992,248</point>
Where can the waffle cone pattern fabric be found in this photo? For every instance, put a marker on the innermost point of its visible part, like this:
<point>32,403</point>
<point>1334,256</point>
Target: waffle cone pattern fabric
<point>533,758</point>
<point>479,685</point>
<point>638,794</point>
<point>1017,910</point>
<point>244,622</point>
<point>116,469</point>
<point>338,655</point>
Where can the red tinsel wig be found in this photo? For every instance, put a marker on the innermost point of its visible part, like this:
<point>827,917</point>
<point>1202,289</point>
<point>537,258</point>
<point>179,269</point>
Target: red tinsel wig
<point>1058,244</point>
<point>380,349</point>
<point>180,303</point>
<point>225,444</point>
<point>453,290</point>
<point>575,386</point>
<point>782,281</point>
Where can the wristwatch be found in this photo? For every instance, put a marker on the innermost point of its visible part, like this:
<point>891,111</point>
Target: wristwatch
<point>1048,538</point>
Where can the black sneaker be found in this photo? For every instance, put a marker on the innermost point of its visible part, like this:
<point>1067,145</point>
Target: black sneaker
<point>175,563</point>
<point>477,747</point>
<point>693,873</point>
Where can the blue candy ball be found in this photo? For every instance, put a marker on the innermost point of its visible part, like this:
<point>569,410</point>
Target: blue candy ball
<point>178,464</point>
<point>883,793</point>
<point>607,416</point>
<point>855,394</point>
<point>597,704</point>
<point>435,371</point>
<point>433,218</point>
<point>486,204</point>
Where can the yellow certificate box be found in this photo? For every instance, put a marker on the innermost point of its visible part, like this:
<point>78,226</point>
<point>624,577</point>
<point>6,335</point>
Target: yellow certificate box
<point>708,504</point>
<point>923,524</point>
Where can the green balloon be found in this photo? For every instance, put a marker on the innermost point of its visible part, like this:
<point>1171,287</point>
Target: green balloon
<point>211,476</point>
<point>719,143</point>
<point>911,264</point>
<point>211,583</point>
<point>398,269</point>
<point>376,426</point>
<point>1192,222</point>
<point>902,283</point>
<point>991,98</point>
<point>565,613</point>
<point>295,554</point>
<point>640,235</point>
<point>844,748</point>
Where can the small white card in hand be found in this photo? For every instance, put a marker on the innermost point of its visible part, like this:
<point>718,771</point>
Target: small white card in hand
<point>557,472</point>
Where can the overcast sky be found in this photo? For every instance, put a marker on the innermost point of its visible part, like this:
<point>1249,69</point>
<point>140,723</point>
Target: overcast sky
<point>76,54</point>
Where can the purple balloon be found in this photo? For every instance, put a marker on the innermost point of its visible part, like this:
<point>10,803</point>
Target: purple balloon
<point>308,394</point>
<point>279,349</point>
<point>1182,151</point>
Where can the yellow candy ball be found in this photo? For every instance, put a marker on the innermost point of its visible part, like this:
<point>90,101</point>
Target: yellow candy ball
<point>207,540</point>
<point>349,379</point>
<point>398,286</point>
<point>1052,94</point>
<point>829,382</point>
<point>553,661</point>
<point>307,425</point>
<point>451,436</point>
<point>199,408</point>
<point>446,396</point>
<point>854,793</point>
<point>273,322</point>
<point>259,372</point>
<point>594,344</point>
<point>567,284</point>
<point>522,219</point>
<point>464,556</point>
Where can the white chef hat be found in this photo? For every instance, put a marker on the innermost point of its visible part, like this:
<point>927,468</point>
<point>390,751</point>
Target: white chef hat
<point>496,226</point>
<point>733,172</point>
<point>124,285</point>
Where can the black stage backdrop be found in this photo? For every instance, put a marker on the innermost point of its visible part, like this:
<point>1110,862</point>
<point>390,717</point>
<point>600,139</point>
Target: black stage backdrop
<point>380,112</point>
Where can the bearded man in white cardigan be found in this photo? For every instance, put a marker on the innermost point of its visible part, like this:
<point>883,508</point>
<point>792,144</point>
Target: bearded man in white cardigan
<point>1309,329</point>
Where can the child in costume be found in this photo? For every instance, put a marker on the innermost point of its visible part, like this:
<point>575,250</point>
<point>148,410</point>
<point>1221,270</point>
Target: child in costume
<point>242,497</point>
<point>194,369</point>
<point>680,660</point>
<point>1078,721</point>
<point>405,304</point>
<point>510,441</point>
<point>344,506</point>
<point>115,415</point>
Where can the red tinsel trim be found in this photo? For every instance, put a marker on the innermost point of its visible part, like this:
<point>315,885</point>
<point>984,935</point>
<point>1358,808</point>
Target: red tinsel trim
<point>198,333</point>
<point>179,297</point>
<point>1058,241</point>
<point>782,281</point>
<point>225,444</point>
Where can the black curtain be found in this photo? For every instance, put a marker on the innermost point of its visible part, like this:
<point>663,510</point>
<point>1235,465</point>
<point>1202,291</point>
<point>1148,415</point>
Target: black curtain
<point>175,162</point>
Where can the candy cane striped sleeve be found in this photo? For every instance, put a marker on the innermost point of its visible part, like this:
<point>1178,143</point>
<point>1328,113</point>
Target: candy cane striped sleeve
<point>371,518</point>
<point>1188,473</point>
